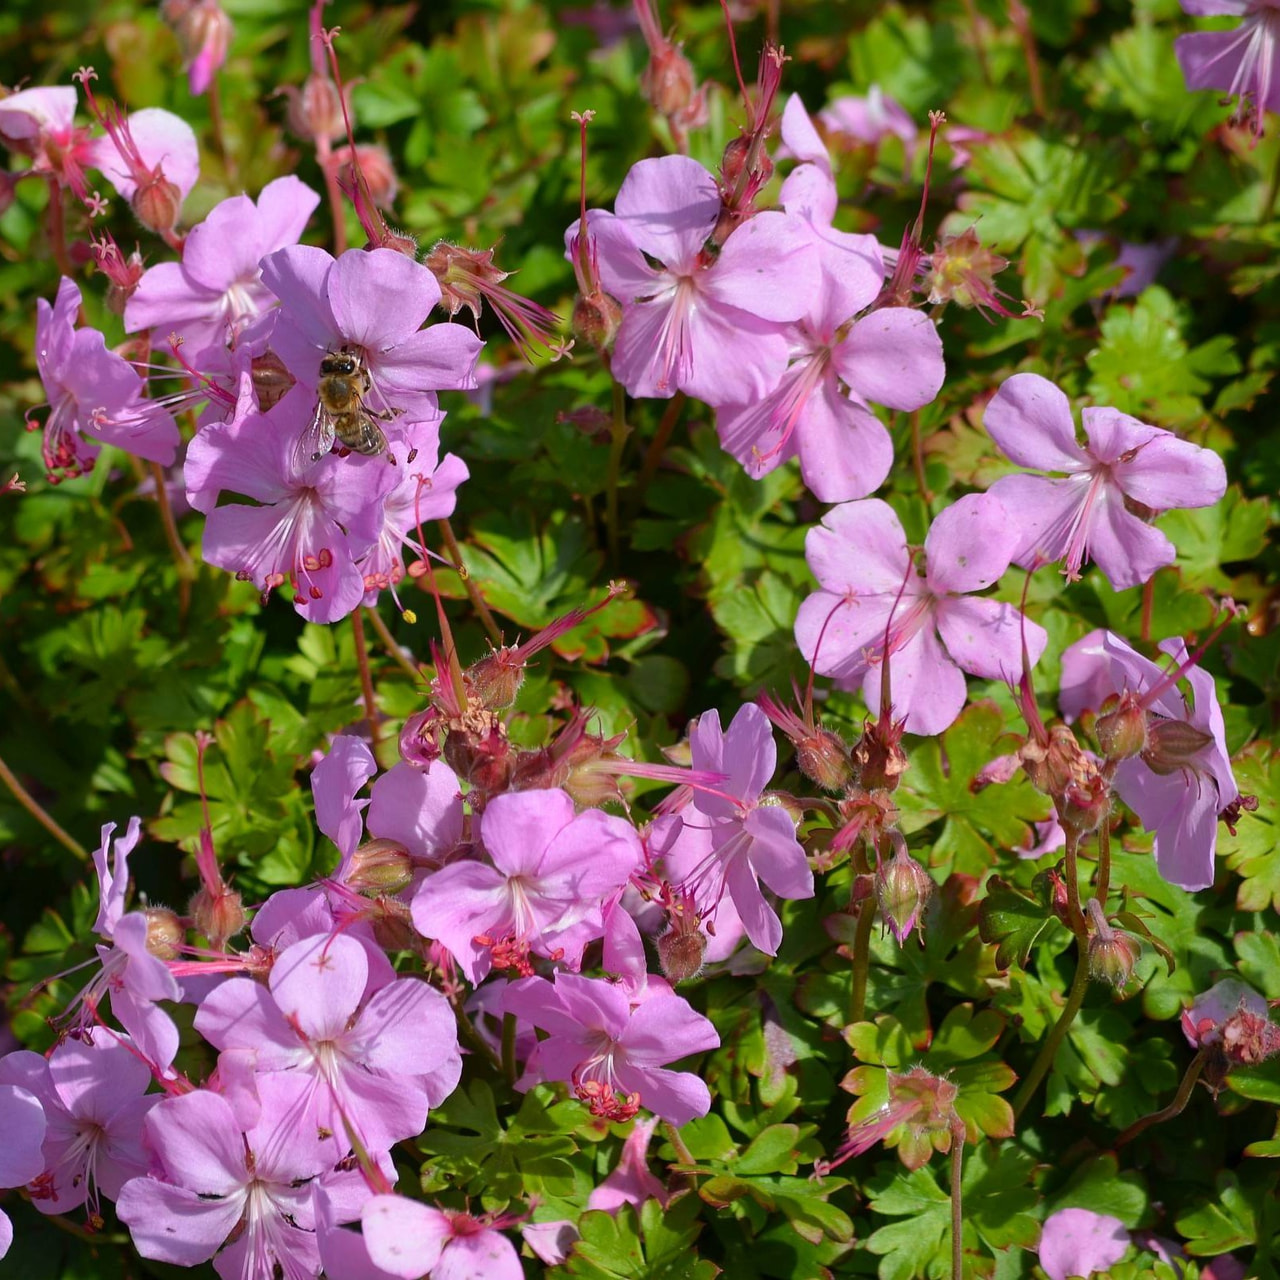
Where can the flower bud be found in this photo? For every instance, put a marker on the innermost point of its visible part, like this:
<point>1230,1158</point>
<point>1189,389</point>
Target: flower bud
<point>156,203</point>
<point>903,887</point>
<point>271,380</point>
<point>480,752</point>
<point>784,800</point>
<point>1122,731</point>
<point>218,916</point>
<point>1173,745</point>
<point>393,926</point>
<point>165,934</point>
<point>668,81</point>
<point>596,319</point>
<point>879,756</point>
<point>1054,767</point>
<point>375,168</point>
<point>682,947</point>
<point>1112,952</point>
<point>316,111</point>
<point>823,758</point>
<point>383,866</point>
<point>735,158</point>
<point>1085,805</point>
<point>496,678</point>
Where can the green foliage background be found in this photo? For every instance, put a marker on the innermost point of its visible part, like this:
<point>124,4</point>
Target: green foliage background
<point>104,676</point>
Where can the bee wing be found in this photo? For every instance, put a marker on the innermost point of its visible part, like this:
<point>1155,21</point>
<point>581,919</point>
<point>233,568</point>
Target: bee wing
<point>316,439</point>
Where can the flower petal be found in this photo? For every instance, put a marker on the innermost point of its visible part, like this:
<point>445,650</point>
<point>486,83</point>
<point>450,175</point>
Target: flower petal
<point>1030,420</point>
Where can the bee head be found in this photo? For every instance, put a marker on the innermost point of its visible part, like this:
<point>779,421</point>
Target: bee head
<point>339,362</point>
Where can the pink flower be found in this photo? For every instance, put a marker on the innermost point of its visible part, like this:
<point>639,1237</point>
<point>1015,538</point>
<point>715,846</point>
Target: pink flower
<point>94,1099</point>
<point>751,840</point>
<point>334,783</point>
<point>204,31</point>
<point>375,303</point>
<point>631,1182</point>
<point>217,288</point>
<point>22,1122</point>
<point>551,871</point>
<point>1089,514</point>
<point>217,1182</point>
<point>427,490</point>
<point>151,157</point>
<point>869,119</point>
<point>819,410</point>
<point>407,1239</point>
<point>91,389</point>
<point>368,1063</point>
<point>684,846</point>
<point>40,123</point>
<point>935,629</point>
<point>1078,1242</point>
<point>551,1241</point>
<point>313,519</point>
<point>703,323</point>
<point>614,1054</point>
<point>1240,63</point>
<point>1182,779</point>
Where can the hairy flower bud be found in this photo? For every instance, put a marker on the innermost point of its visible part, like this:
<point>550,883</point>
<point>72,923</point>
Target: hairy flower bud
<point>682,947</point>
<point>480,752</point>
<point>496,678</point>
<point>156,203</point>
<point>393,925</point>
<point>903,887</point>
<point>1173,745</point>
<point>1055,766</point>
<point>218,916</point>
<point>383,866</point>
<point>879,756</point>
<point>165,934</point>
<point>823,758</point>
<point>271,380</point>
<point>1084,805</point>
<point>668,81</point>
<point>596,319</point>
<point>1122,731</point>
<point>375,168</point>
<point>1112,952</point>
<point>315,111</point>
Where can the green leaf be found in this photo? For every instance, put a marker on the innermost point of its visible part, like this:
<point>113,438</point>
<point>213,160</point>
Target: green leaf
<point>1014,919</point>
<point>978,825</point>
<point>1207,538</point>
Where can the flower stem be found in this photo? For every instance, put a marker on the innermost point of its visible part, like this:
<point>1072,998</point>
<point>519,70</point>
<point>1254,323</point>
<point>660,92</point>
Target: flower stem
<point>1273,189</point>
<point>394,649</point>
<point>337,208</point>
<point>1075,915</point>
<point>1021,19</point>
<point>618,433</point>
<point>1104,864</point>
<point>34,808</point>
<point>509,1047</point>
<point>672,1135</point>
<point>57,228</point>
<point>957,1207</point>
<point>1180,1100</point>
<point>861,960</point>
<point>366,677</point>
<point>1049,1049</point>
<point>477,1042</point>
<point>1148,604</point>
<point>917,451</point>
<point>181,558</point>
<point>487,620</point>
<point>657,447</point>
<point>219,131</point>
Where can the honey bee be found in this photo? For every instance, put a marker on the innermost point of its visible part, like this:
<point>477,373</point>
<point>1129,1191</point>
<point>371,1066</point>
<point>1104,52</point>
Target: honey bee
<point>341,412</point>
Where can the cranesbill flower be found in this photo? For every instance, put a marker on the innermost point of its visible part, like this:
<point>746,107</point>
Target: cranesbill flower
<point>1128,473</point>
<point>374,303</point>
<point>23,1124</point>
<point>94,1096</point>
<point>700,322</point>
<point>552,869</point>
<point>314,518</point>
<point>1181,780</point>
<point>427,490</point>
<point>216,289</point>
<point>854,120</point>
<point>614,1054</point>
<point>406,1239</point>
<point>631,1181</point>
<point>751,840</point>
<point>40,123</point>
<point>217,1183</point>
<point>935,630</point>
<point>1079,1242</point>
<point>818,411</point>
<point>1242,63</point>
<point>363,1060</point>
<point>92,390</point>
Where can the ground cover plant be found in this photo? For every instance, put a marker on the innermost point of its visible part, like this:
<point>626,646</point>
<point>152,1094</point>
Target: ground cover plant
<point>639,642</point>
